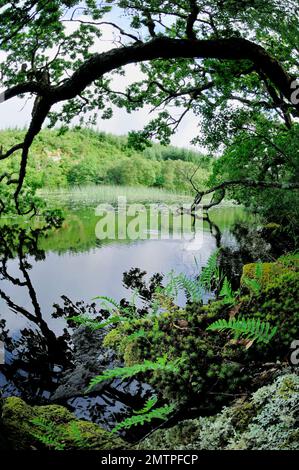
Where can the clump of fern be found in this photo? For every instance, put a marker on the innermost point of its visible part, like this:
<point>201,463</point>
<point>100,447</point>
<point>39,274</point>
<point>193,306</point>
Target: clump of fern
<point>192,288</point>
<point>255,284</point>
<point>48,433</point>
<point>118,313</point>
<point>145,415</point>
<point>227,294</point>
<point>210,274</point>
<point>161,364</point>
<point>53,435</point>
<point>250,328</point>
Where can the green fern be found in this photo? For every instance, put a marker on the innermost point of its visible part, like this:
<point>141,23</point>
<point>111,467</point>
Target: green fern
<point>171,289</point>
<point>109,301</point>
<point>140,419</point>
<point>112,306</point>
<point>229,296</point>
<point>137,334</point>
<point>251,328</point>
<point>48,434</point>
<point>53,435</point>
<point>149,404</point>
<point>210,272</point>
<point>252,284</point>
<point>191,287</point>
<point>94,324</point>
<point>155,305</point>
<point>130,371</point>
<point>76,435</point>
<point>255,285</point>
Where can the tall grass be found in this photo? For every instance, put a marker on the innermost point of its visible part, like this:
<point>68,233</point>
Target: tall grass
<point>93,195</point>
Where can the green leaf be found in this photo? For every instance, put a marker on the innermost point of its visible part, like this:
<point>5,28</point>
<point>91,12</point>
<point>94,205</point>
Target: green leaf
<point>260,331</point>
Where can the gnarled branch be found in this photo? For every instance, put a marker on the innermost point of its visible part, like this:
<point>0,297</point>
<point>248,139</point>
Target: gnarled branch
<point>158,48</point>
<point>220,189</point>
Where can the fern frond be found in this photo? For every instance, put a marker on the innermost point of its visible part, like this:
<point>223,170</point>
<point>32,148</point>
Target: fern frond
<point>257,330</point>
<point>48,434</point>
<point>259,270</point>
<point>76,435</point>
<point>94,324</point>
<point>113,307</point>
<point>171,288</point>
<point>137,334</point>
<point>159,413</point>
<point>229,296</point>
<point>252,284</point>
<point>149,404</point>
<point>191,287</point>
<point>255,284</point>
<point>108,300</point>
<point>210,271</point>
<point>125,372</point>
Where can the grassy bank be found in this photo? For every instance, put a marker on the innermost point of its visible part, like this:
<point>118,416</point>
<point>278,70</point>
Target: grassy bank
<point>92,194</point>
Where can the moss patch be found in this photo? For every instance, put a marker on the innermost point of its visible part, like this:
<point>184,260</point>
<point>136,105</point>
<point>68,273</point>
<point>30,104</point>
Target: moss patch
<point>269,272</point>
<point>18,423</point>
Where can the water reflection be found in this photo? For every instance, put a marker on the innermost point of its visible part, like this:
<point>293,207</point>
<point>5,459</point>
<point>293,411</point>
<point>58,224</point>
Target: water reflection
<point>34,354</point>
<point>39,266</point>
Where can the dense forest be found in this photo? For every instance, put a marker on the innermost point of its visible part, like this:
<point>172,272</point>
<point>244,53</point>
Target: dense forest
<point>85,157</point>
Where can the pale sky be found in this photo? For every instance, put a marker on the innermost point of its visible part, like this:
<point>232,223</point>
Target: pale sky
<point>16,112</point>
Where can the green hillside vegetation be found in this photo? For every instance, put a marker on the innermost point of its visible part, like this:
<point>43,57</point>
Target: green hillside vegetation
<point>86,157</point>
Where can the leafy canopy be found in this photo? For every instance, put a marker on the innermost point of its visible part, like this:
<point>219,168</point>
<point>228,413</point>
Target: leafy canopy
<point>232,64</point>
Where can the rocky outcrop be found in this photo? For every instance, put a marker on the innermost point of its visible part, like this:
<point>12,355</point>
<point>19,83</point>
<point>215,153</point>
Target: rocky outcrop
<point>108,402</point>
<point>89,359</point>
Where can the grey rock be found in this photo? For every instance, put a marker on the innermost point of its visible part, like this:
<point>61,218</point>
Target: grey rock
<point>90,359</point>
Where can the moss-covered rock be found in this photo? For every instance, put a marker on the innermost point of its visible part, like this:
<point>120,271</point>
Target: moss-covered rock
<point>214,360</point>
<point>33,427</point>
<point>268,272</point>
<point>207,361</point>
<point>267,421</point>
<point>277,304</point>
<point>16,423</point>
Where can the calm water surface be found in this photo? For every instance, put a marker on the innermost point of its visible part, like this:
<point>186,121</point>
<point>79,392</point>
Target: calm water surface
<point>73,262</point>
<point>81,267</point>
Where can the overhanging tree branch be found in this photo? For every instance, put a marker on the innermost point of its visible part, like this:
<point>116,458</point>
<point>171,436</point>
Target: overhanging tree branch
<point>97,65</point>
<point>219,190</point>
<point>161,48</point>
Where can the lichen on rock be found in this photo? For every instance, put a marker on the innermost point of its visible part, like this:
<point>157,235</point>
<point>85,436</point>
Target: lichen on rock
<point>267,421</point>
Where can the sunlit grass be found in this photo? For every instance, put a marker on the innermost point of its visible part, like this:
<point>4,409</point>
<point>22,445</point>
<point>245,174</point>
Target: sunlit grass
<point>92,195</point>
